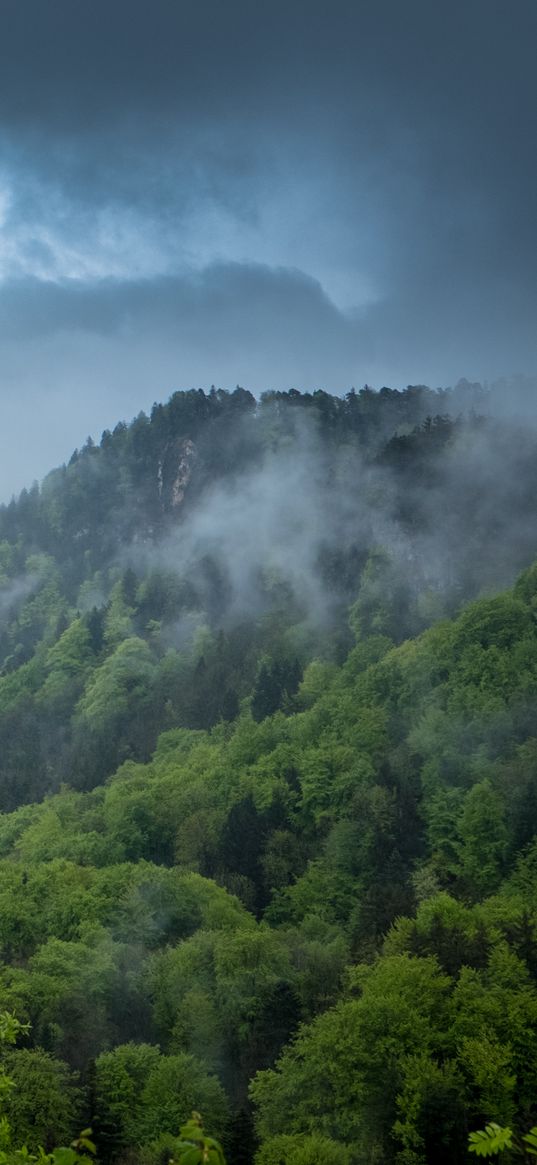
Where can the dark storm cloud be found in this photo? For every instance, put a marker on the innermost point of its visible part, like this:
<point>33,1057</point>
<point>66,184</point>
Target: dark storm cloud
<point>284,307</point>
<point>91,354</point>
<point>292,193</point>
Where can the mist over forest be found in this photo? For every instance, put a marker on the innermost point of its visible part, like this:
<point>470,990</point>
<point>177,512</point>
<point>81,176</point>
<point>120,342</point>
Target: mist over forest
<point>267,779</point>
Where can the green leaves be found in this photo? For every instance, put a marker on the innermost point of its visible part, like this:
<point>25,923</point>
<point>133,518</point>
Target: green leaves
<point>491,1140</point>
<point>494,1139</point>
<point>11,1028</point>
<point>64,1156</point>
<point>195,1148</point>
<point>530,1142</point>
<point>78,1153</point>
<point>83,1143</point>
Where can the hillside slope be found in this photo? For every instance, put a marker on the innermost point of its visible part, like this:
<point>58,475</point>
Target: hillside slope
<point>203,556</point>
<point>363,865</point>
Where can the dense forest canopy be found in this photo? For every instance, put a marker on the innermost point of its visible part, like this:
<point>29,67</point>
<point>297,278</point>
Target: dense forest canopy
<point>268,779</point>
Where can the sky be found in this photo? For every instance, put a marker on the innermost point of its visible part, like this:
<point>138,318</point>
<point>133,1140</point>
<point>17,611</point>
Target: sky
<point>289,194</point>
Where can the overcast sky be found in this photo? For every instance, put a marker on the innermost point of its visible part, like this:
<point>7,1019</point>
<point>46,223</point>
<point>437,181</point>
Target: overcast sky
<point>280,194</point>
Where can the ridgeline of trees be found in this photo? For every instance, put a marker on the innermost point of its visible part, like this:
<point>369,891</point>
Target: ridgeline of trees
<point>282,871</point>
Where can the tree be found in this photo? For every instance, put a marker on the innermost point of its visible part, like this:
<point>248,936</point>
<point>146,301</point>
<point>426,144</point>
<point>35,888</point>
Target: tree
<point>276,679</point>
<point>141,1095</point>
<point>44,1103</point>
<point>484,839</point>
<point>341,1077</point>
<point>41,1100</point>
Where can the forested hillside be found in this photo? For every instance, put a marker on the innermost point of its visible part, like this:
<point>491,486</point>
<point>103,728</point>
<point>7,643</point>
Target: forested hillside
<point>268,773</point>
<point>204,555</point>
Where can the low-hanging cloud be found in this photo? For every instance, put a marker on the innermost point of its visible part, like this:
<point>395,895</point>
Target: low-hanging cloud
<point>292,196</point>
<point>457,520</point>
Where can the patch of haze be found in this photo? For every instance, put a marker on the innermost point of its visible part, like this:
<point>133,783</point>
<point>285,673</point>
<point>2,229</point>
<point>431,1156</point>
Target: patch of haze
<point>91,596</point>
<point>271,527</point>
<point>515,398</point>
<point>182,634</point>
<point>472,527</point>
<point>466,525</point>
<point>15,592</point>
<point>268,527</point>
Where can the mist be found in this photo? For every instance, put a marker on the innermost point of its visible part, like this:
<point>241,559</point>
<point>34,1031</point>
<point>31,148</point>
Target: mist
<point>451,505</point>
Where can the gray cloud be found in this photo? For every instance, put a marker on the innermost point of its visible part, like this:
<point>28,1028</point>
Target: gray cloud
<point>292,193</point>
<point>96,353</point>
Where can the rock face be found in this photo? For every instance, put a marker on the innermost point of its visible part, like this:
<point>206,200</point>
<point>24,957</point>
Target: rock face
<point>175,471</point>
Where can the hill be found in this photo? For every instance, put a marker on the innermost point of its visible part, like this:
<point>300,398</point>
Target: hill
<point>206,554</point>
<point>289,877</point>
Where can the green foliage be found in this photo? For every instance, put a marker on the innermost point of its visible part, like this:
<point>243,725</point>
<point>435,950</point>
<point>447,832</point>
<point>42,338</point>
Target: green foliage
<point>495,1139</point>
<point>43,1106</point>
<point>259,858</point>
<point>352,1057</point>
<point>302,1150</point>
<point>37,1104</point>
<point>530,1142</point>
<point>195,1147</point>
<point>382,606</point>
<point>490,1141</point>
<point>67,665</point>
<point>142,1094</point>
<point>484,839</point>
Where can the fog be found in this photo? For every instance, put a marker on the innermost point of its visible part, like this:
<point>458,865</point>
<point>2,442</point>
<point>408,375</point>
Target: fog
<point>453,508</point>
